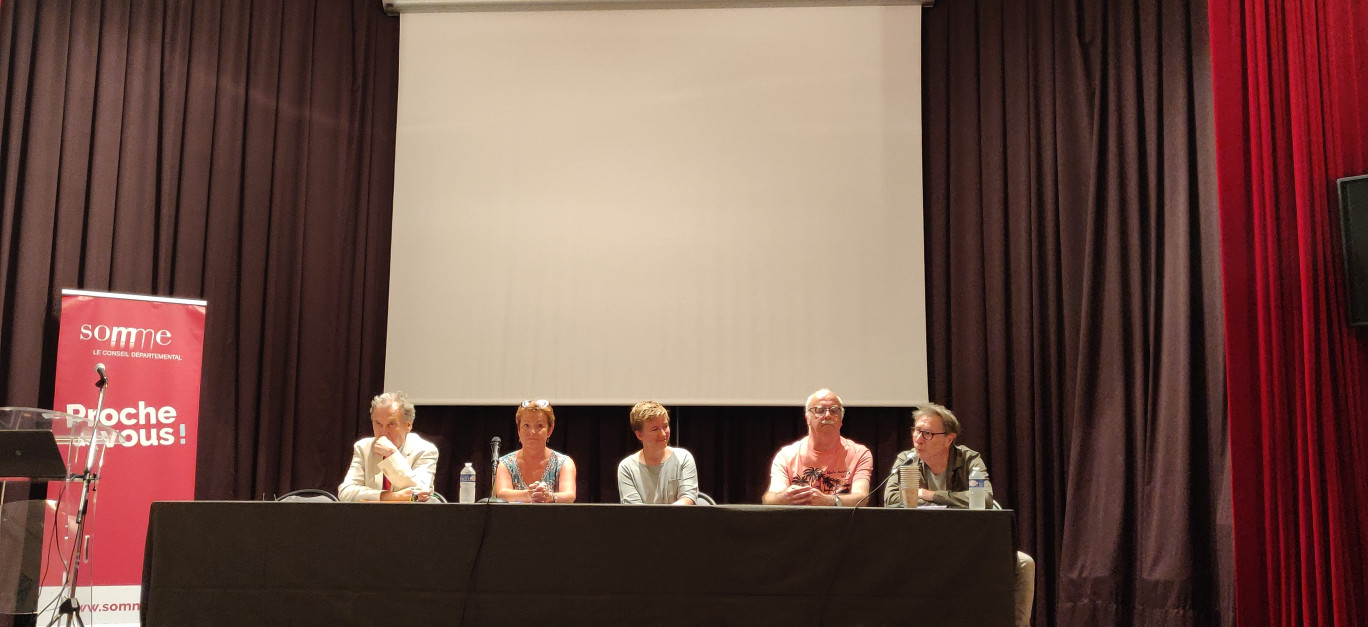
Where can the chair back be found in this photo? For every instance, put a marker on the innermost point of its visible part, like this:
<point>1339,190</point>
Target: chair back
<point>308,495</point>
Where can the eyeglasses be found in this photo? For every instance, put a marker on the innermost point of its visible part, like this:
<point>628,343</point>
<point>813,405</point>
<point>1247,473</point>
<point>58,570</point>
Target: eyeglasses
<point>540,403</point>
<point>918,433</point>
<point>820,411</point>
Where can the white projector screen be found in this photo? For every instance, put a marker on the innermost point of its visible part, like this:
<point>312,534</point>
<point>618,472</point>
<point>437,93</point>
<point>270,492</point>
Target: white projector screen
<point>715,206</point>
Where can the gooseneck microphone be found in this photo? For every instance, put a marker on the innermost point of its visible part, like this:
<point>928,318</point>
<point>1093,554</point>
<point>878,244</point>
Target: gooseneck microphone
<point>910,459</point>
<point>104,380</point>
<point>494,449</point>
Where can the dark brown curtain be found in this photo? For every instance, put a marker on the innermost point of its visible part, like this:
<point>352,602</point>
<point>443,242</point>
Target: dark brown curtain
<point>240,152</point>
<point>1074,293</point>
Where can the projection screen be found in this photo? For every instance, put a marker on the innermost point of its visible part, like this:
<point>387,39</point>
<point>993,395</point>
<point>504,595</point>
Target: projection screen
<point>716,206</point>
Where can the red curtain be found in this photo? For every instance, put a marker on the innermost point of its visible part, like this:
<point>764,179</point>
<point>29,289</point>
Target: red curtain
<point>1291,101</point>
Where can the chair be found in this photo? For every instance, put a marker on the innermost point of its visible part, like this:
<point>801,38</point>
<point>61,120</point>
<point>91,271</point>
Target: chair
<point>308,495</point>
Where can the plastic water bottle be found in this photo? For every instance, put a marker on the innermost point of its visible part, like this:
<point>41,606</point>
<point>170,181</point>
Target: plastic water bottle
<point>978,488</point>
<point>467,484</point>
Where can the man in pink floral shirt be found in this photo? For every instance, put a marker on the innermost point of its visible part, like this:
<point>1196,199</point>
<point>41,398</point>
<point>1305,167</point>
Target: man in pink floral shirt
<point>823,468</point>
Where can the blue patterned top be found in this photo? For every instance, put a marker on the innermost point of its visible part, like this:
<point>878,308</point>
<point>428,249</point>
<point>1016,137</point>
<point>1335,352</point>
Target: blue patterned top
<point>551,477</point>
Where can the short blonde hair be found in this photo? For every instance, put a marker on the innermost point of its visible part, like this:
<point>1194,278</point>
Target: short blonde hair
<point>539,406</point>
<point>646,410</point>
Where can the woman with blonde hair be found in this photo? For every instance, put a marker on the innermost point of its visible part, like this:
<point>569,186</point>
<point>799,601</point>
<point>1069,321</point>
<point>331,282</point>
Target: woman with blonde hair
<point>551,474</point>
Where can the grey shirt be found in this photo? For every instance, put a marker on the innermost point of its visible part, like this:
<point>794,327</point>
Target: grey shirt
<point>658,485</point>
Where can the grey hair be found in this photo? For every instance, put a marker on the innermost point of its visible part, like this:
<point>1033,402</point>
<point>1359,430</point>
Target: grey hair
<point>395,398</point>
<point>819,394</point>
<point>948,420</point>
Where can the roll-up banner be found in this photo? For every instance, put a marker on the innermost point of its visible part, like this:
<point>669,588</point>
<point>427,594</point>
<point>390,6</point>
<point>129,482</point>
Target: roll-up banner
<point>151,349</point>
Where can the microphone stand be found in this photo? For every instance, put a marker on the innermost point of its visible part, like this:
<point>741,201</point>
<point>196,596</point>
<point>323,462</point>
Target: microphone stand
<point>70,607</point>
<point>494,471</point>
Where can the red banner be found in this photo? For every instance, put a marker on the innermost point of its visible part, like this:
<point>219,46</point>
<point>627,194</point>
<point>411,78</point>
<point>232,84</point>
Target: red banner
<point>151,349</point>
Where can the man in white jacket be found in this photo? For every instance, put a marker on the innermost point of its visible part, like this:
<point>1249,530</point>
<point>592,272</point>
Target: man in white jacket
<point>396,464</point>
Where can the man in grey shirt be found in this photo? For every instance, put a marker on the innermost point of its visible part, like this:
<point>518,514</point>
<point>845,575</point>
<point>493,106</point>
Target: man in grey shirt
<point>658,474</point>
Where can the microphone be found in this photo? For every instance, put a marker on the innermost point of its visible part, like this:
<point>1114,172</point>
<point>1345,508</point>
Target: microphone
<point>494,471</point>
<point>100,370</point>
<point>910,459</point>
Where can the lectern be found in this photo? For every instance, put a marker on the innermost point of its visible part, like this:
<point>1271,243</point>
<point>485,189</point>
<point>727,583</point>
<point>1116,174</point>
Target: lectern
<point>33,443</point>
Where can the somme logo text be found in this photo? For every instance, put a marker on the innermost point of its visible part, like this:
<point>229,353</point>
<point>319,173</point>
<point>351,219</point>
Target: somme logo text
<point>130,338</point>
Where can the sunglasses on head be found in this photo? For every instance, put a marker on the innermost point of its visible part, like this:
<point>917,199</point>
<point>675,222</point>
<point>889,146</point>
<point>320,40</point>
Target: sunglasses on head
<point>539,404</point>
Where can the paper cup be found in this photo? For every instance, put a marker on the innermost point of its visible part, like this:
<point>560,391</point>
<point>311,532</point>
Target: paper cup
<point>909,480</point>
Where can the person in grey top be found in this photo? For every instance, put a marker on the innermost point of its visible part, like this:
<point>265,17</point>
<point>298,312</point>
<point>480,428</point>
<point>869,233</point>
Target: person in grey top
<point>658,474</point>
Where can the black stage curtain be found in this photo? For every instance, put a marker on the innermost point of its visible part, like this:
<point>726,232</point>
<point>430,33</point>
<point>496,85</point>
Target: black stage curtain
<point>1074,293</point>
<point>238,152</point>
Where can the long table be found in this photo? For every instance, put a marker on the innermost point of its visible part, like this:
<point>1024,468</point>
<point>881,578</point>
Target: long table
<point>237,563</point>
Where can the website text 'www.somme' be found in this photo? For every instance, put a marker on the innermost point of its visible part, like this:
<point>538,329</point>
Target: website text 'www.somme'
<point>114,607</point>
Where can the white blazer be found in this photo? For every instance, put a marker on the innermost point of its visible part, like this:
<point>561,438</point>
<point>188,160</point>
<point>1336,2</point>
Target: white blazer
<point>415,464</point>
